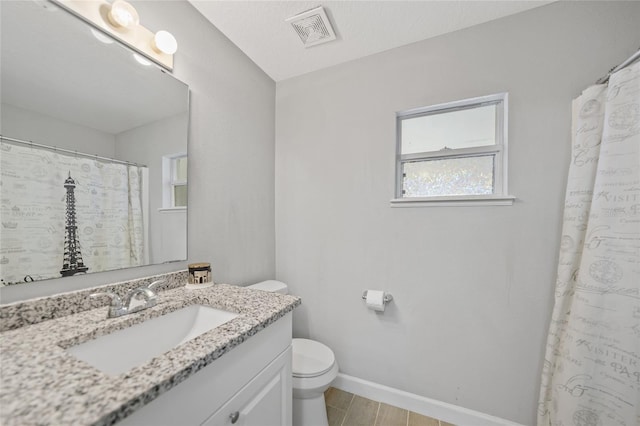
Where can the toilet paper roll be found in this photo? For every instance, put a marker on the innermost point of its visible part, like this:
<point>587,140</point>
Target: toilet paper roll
<point>375,300</point>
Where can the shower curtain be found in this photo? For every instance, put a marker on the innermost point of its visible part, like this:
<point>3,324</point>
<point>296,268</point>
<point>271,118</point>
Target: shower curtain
<point>591,372</point>
<point>108,212</point>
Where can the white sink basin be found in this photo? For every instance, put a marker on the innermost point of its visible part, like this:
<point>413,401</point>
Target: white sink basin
<point>124,349</point>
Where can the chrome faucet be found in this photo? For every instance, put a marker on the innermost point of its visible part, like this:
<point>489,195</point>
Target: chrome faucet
<point>117,308</point>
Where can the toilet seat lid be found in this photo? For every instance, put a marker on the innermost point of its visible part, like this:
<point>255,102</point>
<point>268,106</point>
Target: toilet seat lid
<point>311,358</point>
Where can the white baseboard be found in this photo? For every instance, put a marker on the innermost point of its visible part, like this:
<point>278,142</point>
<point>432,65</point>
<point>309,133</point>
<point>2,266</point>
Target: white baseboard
<point>418,404</point>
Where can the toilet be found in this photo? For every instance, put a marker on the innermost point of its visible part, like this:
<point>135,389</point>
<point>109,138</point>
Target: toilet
<point>314,368</point>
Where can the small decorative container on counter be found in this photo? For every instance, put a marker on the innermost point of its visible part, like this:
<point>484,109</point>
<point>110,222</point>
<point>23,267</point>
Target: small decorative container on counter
<point>199,273</point>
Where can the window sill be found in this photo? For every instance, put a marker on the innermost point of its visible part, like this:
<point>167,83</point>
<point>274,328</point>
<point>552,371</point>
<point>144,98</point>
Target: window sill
<point>463,201</point>
<point>172,209</point>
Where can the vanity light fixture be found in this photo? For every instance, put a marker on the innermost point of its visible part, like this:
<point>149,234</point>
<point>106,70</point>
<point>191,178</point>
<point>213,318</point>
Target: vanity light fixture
<point>164,42</point>
<point>123,14</point>
<point>120,20</point>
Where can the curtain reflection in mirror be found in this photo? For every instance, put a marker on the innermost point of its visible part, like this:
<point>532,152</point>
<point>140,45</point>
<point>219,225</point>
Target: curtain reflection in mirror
<point>49,223</point>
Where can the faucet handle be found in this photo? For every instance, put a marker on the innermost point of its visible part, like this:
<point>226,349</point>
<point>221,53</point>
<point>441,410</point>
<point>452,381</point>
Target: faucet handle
<point>140,293</point>
<point>115,309</point>
<point>154,285</point>
<point>116,302</point>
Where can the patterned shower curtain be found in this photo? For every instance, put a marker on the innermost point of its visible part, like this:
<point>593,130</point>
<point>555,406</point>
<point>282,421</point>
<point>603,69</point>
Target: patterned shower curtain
<point>591,373</point>
<point>108,213</point>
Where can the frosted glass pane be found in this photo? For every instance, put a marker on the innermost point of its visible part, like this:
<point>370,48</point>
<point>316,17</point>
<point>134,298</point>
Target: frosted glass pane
<point>456,129</point>
<point>181,169</point>
<point>452,176</point>
<point>180,196</point>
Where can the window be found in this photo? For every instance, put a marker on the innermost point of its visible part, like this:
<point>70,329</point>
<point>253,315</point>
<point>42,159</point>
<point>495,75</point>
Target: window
<point>454,152</point>
<point>174,176</point>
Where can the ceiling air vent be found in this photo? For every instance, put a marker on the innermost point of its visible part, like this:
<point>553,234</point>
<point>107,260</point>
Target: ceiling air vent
<point>313,27</point>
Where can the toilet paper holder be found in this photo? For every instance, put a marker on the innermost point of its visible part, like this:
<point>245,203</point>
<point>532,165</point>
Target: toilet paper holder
<point>386,299</point>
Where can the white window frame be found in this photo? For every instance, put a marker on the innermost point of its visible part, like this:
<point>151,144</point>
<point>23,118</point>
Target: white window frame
<point>169,181</point>
<point>499,197</point>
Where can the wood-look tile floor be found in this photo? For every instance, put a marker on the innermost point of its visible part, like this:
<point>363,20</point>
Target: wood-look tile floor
<point>347,409</point>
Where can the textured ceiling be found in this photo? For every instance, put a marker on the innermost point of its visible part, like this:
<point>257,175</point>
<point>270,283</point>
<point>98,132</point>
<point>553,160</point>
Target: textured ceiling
<point>363,27</point>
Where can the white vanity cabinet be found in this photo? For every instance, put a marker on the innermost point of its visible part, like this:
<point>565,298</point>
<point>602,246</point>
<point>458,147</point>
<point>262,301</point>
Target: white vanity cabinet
<point>265,401</point>
<point>249,385</point>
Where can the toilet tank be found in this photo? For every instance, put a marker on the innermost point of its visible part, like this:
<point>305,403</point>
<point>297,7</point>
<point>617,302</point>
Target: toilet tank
<point>271,285</point>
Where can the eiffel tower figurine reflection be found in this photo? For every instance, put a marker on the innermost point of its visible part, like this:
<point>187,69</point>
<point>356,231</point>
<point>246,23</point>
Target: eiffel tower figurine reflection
<point>72,263</point>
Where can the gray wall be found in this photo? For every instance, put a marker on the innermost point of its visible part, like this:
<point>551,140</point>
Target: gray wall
<point>473,286</point>
<point>33,126</point>
<point>147,145</point>
<point>231,146</point>
<point>231,158</point>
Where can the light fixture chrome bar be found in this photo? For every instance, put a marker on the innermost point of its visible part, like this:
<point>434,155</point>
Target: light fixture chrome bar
<point>68,151</point>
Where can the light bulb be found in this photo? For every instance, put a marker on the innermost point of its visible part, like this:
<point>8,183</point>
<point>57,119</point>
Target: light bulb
<point>123,14</point>
<point>164,42</point>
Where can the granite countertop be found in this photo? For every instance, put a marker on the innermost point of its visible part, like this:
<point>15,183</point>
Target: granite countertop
<point>43,384</point>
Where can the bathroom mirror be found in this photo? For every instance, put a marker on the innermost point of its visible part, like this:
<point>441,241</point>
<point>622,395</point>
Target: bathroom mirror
<point>93,150</point>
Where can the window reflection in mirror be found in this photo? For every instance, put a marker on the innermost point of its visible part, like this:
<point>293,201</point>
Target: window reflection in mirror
<point>179,181</point>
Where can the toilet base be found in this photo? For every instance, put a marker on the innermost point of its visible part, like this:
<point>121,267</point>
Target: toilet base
<point>310,408</point>
<point>308,398</point>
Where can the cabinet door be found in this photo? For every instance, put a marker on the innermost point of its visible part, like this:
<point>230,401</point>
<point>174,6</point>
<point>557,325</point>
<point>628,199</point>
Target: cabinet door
<point>264,401</point>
